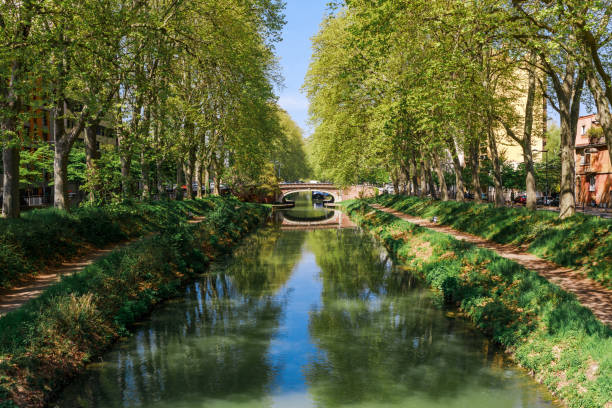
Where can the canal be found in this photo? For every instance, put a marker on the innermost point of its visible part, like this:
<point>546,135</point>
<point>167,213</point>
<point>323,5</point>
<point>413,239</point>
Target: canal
<point>305,318</point>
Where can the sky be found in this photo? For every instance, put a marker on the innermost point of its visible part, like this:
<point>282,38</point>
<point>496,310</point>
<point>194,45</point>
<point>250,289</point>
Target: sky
<point>303,19</point>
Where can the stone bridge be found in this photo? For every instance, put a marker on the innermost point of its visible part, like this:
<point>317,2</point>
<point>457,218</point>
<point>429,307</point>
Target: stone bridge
<point>338,193</point>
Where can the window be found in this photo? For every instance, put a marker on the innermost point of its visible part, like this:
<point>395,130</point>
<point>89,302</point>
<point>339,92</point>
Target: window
<point>592,183</point>
<point>583,129</point>
<point>587,159</point>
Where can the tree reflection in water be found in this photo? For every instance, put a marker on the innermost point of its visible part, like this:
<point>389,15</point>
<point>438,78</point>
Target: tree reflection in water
<point>382,342</point>
<point>210,345</point>
<point>301,319</point>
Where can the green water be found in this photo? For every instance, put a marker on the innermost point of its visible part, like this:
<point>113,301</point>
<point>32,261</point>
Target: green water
<point>306,208</point>
<point>305,319</point>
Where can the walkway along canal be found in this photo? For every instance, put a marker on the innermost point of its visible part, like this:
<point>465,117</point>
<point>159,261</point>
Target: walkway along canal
<point>305,318</point>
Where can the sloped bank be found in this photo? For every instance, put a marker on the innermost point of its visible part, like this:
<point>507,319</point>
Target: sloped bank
<point>47,237</point>
<point>582,242</point>
<point>545,329</point>
<point>50,339</point>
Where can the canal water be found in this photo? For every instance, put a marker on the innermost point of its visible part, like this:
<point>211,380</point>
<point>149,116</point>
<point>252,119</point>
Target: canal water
<point>305,318</point>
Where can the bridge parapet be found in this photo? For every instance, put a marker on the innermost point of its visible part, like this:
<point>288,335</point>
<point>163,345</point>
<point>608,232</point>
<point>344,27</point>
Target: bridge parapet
<point>339,193</point>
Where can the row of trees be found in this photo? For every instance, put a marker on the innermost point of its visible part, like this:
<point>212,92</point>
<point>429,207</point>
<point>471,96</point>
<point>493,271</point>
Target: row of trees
<point>410,86</point>
<point>186,85</point>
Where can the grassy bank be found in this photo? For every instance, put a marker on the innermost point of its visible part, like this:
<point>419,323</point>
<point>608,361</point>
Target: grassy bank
<point>547,331</point>
<point>50,339</point>
<point>43,238</point>
<point>582,242</point>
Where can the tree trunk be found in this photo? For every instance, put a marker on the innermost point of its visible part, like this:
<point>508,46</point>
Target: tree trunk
<point>206,180</point>
<point>406,173</point>
<point>198,178</point>
<point>179,181</point>
<point>189,172</point>
<point>530,180</point>
<point>63,144</point>
<point>475,159</point>
<point>144,176</point>
<point>497,176</point>
<point>567,201</point>
<point>569,113</point>
<point>457,168</point>
<point>216,181</point>
<point>415,178</point>
<point>91,154</point>
<point>441,178</point>
<point>10,202</point>
<point>395,180</point>
<point>158,178</point>
<point>423,180</point>
<point>11,104</point>
<point>430,180</point>
<point>60,175</point>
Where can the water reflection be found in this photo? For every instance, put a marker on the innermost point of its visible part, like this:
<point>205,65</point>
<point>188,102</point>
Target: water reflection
<point>306,208</point>
<point>303,319</point>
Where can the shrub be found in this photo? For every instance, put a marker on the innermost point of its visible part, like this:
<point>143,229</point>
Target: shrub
<point>50,338</point>
<point>547,330</point>
<point>43,238</point>
<point>581,241</point>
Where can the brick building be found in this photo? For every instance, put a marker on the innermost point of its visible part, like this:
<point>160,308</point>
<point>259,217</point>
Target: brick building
<point>593,167</point>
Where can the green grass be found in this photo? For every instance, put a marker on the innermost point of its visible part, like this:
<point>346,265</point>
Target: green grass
<point>546,329</point>
<point>583,242</point>
<point>46,237</point>
<point>51,338</point>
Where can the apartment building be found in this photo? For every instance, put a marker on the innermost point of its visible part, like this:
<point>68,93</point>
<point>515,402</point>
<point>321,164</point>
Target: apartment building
<point>37,128</point>
<point>593,167</point>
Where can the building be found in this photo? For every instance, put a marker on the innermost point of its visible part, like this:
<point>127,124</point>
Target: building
<point>516,93</point>
<point>37,129</point>
<point>593,167</point>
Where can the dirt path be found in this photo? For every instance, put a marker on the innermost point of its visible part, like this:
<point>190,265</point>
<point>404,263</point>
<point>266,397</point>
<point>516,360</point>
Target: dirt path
<point>589,293</point>
<point>14,298</point>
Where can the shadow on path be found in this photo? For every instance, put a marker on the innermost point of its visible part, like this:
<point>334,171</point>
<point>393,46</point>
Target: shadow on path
<point>15,297</point>
<point>588,292</point>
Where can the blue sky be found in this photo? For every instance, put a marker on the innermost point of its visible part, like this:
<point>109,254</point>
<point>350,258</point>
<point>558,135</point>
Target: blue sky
<point>303,19</point>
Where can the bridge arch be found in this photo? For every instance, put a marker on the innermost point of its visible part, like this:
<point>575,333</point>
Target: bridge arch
<point>331,192</point>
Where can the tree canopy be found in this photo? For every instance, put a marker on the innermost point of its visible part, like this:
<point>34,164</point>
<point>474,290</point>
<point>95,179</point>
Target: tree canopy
<point>428,89</point>
<point>185,88</point>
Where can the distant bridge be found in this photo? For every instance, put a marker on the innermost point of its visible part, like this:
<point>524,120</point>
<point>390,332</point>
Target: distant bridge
<point>338,193</point>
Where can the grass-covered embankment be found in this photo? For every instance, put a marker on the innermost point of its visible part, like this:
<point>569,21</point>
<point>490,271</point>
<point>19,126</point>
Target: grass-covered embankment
<point>50,339</point>
<point>43,238</point>
<point>547,331</point>
<point>582,242</point>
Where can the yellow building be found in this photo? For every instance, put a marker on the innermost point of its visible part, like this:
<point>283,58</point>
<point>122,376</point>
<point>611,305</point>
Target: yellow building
<point>516,92</point>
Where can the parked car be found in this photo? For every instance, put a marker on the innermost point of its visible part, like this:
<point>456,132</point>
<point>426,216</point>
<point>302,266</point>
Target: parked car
<point>521,199</point>
<point>551,201</point>
<point>468,196</point>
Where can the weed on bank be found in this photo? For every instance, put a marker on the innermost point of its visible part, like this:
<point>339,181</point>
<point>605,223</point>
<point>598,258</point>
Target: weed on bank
<point>46,237</point>
<point>582,242</point>
<point>50,339</point>
<point>547,331</point>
